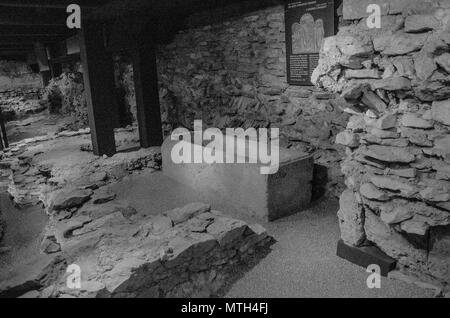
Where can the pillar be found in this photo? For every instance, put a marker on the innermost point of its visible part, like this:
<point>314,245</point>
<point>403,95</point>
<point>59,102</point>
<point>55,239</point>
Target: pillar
<point>98,75</point>
<point>147,94</point>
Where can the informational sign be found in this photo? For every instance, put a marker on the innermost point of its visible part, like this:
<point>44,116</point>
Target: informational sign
<point>308,22</point>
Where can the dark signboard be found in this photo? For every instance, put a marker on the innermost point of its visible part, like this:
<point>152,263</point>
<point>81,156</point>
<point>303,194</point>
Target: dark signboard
<point>308,22</point>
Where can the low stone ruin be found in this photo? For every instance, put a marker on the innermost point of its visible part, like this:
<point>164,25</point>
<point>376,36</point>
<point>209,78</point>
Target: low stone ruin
<point>186,252</point>
<point>191,251</point>
<point>65,95</point>
<point>397,166</point>
<point>29,178</point>
<point>20,90</point>
<point>17,104</point>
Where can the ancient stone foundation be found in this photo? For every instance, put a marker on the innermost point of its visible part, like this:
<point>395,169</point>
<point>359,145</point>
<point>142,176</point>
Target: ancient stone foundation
<point>191,251</point>
<point>397,167</point>
<point>186,252</point>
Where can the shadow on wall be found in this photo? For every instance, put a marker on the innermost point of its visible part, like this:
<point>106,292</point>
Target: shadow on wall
<point>319,183</point>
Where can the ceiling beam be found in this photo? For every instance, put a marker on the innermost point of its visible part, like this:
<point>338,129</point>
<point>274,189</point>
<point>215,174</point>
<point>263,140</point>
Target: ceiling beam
<point>27,35</point>
<point>29,39</point>
<point>14,52</point>
<point>9,48</point>
<point>30,16</point>
<point>58,4</point>
<point>35,29</point>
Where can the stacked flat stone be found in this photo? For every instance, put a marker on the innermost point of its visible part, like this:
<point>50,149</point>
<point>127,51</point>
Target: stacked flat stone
<point>191,251</point>
<point>397,166</point>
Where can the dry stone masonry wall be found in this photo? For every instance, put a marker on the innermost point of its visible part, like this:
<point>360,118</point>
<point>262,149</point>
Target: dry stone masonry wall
<point>233,74</point>
<point>17,75</point>
<point>191,251</point>
<point>397,166</point>
<point>186,252</point>
<point>20,90</point>
<point>65,95</point>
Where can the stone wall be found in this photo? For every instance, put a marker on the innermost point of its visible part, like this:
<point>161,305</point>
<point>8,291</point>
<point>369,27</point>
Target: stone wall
<point>65,95</point>
<point>397,166</point>
<point>191,251</point>
<point>19,103</point>
<point>20,90</point>
<point>233,74</point>
<point>17,76</point>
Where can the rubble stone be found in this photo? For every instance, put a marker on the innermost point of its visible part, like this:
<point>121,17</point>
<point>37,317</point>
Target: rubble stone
<point>347,139</point>
<point>441,112</point>
<point>351,220</point>
<point>67,199</point>
<point>413,121</point>
<point>444,61</point>
<point>392,84</point>
<point>159,259</point>
<point>421,23</point>
<point>181,215</point>
<point>389,154</point>
<point>399,43</point>
<point>400,170</point>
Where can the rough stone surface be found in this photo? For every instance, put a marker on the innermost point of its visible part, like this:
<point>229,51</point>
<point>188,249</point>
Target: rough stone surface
<point>103,195</point>
<point>420,23</point>
<point>194,258</point>
<point>444,61</point>
<point>347,139</point>
<point>35,176</point>
<point>400,170</point>
<point>181,215</point>
<point>413,121</point>
<point>392,84</point>
<point>399,43</point>
<point>351,219</point>
<point>441,111</point>
<point>389,154</point>
<point>67,199</point>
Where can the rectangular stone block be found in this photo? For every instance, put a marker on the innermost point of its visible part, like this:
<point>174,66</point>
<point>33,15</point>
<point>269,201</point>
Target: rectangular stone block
<point>366,256</point>
<point>242,186</point>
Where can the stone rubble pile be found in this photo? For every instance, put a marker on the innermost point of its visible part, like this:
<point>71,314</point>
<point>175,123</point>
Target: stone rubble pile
<point>16,75</point>
<point>17,104</point>
<point>186,252</point>
<point>65,95</point>
<point>29,179</point>
<point>397,166</point>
